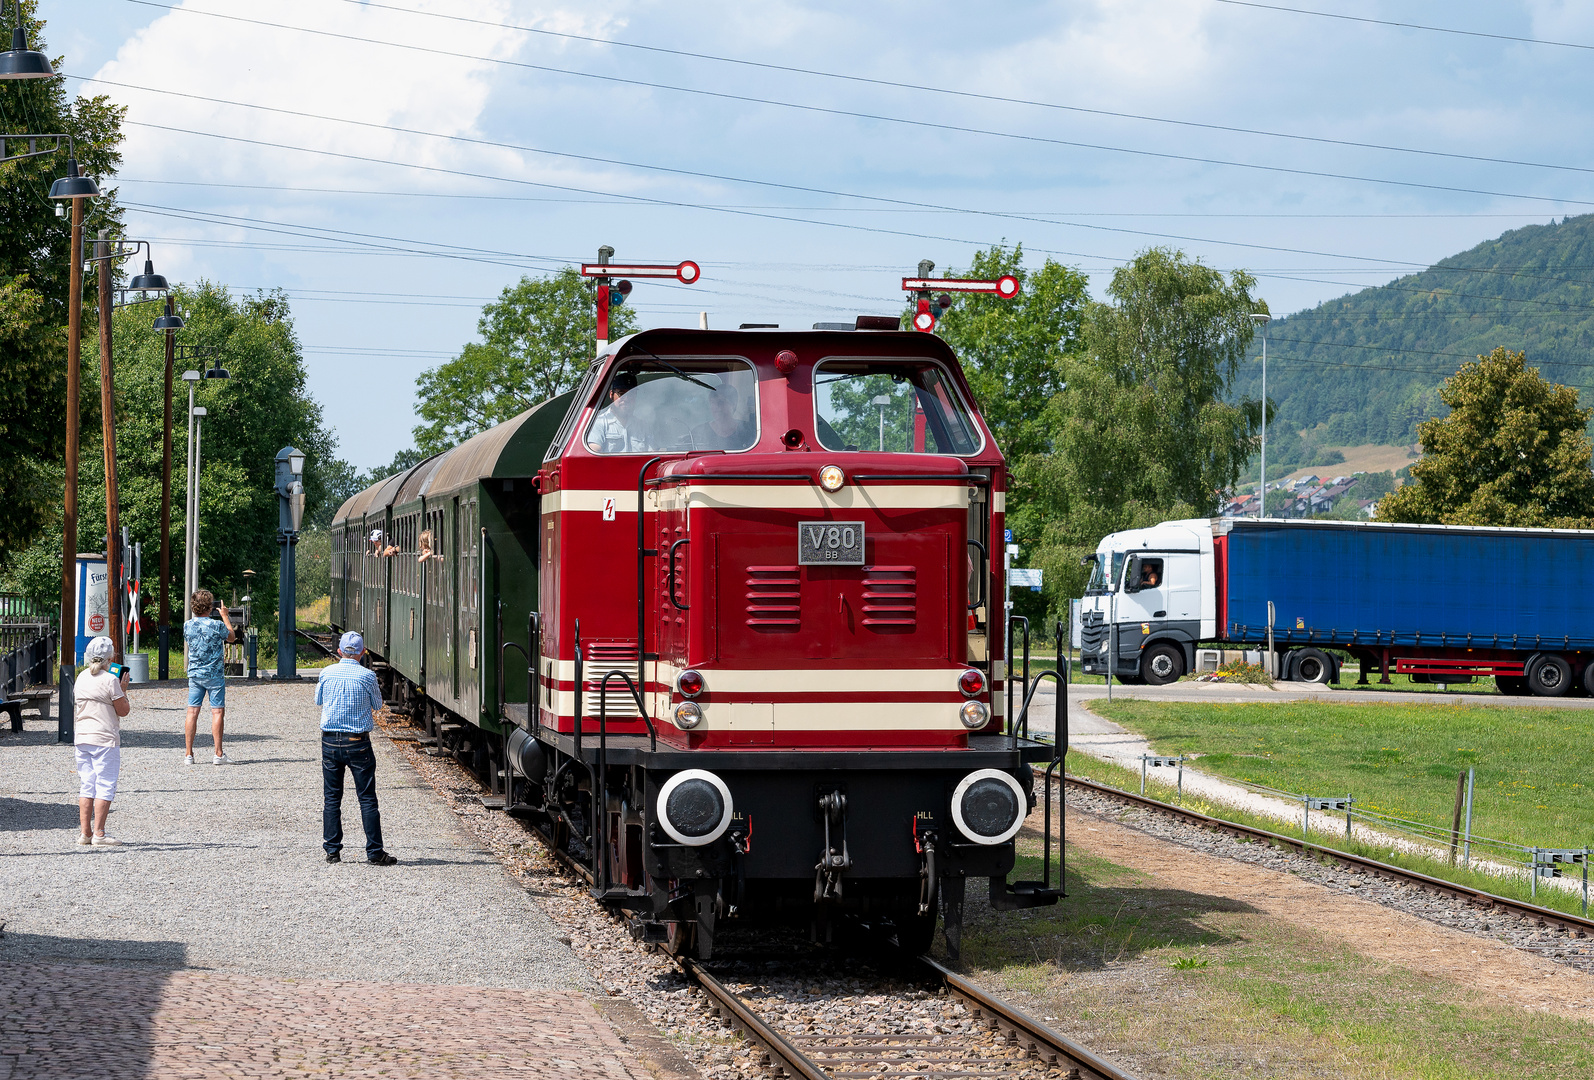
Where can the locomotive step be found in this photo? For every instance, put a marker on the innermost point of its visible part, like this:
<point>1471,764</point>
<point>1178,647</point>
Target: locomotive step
<point>629,899</point>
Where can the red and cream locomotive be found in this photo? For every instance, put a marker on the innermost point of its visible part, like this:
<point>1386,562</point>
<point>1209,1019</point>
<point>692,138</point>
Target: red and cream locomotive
<point>748,580</point>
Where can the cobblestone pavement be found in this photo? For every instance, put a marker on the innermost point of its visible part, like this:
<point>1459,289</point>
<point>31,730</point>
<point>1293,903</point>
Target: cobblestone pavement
<point>219,942</point>
<point>69,1021</point>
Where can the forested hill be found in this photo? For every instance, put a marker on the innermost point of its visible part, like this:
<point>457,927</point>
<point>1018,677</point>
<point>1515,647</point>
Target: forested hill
<point>1364,368</point>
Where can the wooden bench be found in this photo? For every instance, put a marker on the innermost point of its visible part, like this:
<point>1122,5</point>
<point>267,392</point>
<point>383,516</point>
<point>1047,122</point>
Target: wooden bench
<point>35,701</point>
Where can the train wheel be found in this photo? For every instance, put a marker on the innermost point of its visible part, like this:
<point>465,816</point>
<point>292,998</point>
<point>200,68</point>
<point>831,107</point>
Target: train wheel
<point>679,938</point>
<point>915,933</point>
<point>1549,675</point>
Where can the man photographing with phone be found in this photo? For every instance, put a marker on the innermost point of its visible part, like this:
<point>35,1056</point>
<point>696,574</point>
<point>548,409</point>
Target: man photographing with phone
<point>205,636</point>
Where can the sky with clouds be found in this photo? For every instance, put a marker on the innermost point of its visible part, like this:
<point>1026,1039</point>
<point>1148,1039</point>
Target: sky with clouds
<point>393,164</point>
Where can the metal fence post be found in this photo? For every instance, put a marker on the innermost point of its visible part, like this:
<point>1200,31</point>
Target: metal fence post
<point>1348,802</point>
<point>1306,816</point>
<point>1142,774</point>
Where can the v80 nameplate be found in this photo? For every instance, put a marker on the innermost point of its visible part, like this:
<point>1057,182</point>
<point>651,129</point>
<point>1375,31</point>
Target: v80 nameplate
<point>830,543</point>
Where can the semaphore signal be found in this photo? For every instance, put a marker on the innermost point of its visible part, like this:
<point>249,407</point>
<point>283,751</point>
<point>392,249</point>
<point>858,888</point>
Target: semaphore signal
<point>686,272</point>
<point>930,309</point>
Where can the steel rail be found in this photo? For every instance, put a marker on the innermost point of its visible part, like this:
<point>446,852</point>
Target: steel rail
<point>793,1060</point>
<point>1582,927</point>
<point>1042,1040</point>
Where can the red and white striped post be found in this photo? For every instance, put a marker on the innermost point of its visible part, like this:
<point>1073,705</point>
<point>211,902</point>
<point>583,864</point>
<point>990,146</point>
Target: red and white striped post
<point>924,318</point>
<point>685,272</point>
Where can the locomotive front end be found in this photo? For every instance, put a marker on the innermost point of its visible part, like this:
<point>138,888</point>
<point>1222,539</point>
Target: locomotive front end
<point>770,684</point>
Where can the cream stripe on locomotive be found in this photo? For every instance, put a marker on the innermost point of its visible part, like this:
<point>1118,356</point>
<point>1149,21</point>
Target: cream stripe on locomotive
<point>764,497</point>
<point>771,681</point>
<point>795,716</point>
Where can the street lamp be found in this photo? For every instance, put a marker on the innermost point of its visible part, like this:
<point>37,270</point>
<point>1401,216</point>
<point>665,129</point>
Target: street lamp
<point>21,62</point>
<point>882,400</point>
<point>169,323</point>
<point>77,189</point>
<point>1261,319</point>
<point>290,515</point>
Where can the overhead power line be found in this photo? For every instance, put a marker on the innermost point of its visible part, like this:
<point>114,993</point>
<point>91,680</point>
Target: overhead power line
<point>1405,25</point>
<point>923,88</point>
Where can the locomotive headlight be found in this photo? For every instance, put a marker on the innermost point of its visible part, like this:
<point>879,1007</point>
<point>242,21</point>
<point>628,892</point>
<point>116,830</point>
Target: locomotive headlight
<point>688,714</point>
<point>974,714</point>
<point>831,478</point>
<point>690,683</point>
<point>988,806</point>
<point>972,682</point>
<point>694,807</point>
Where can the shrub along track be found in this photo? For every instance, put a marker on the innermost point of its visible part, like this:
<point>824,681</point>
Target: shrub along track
<point>1539,930</point>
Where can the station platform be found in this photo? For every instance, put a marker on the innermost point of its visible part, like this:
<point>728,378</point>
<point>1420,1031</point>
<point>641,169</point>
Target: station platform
<point>219,942</point>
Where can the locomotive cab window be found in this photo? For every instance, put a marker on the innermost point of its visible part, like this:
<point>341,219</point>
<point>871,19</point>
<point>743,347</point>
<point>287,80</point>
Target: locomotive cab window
<point>652,406</point>
<point>896,406</point>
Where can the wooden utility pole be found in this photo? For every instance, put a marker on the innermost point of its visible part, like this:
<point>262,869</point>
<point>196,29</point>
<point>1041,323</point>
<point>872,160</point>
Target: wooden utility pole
<point>113,547</point>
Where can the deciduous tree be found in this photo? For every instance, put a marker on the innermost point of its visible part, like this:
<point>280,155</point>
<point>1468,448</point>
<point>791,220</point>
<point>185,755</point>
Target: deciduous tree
<point>537,339</point>
<point>1513,451</point>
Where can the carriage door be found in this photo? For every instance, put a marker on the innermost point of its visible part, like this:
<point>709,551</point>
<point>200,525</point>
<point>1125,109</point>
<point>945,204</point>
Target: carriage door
<point>456,571</point>
<point>468,660</point>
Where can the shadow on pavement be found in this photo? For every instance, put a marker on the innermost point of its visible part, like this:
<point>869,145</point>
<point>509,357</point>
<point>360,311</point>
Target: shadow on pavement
<point>26,815</point>
<point>83,1014</point>
<point>173,740</point>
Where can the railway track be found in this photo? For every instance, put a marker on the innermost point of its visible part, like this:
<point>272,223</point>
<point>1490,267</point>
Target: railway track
<point>1575,925</point>
<point>1005,1041</point>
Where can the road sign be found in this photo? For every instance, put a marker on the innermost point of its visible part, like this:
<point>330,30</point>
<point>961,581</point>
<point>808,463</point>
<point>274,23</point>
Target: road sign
<point>1005,286</point>
<point>685,272</point>
<point>1007,535</point>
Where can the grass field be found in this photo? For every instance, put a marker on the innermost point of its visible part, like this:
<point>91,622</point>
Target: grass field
<point>1534,776</point>
<point>1202,987</point>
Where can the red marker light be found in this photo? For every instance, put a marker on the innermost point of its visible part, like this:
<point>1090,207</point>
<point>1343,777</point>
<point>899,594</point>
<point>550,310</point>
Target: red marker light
<point>690,683</point>
<point>786,362</point>
<point>972,682</point>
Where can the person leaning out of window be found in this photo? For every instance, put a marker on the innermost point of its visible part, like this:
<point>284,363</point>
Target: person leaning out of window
<point>99,700</point>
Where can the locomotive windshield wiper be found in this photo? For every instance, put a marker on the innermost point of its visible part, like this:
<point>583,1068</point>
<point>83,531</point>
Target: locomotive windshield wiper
<point>679,373</point>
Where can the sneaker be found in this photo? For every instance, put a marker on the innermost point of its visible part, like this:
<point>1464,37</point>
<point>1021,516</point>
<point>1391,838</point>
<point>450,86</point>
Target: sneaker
<point>106,841</point>
<point>333,856</point>
<point>381,858</point>
<point>189,760</point>
<point>85,838</point>
<point>222,759</point>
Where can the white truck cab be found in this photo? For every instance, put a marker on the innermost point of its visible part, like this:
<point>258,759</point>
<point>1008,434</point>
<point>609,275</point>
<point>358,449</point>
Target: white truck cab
<point>1156,587</point>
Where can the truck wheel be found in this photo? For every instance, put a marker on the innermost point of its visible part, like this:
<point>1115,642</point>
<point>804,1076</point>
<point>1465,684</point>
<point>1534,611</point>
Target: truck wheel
<point>1588,678</point>
<point>1512,685</point>
<point>1162,664</point>
<point>1549,675</point>
<point>1313,666</point>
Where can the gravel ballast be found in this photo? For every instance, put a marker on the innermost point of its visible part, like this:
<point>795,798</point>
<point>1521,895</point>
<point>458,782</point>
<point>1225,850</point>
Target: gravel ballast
<point>223,867</point>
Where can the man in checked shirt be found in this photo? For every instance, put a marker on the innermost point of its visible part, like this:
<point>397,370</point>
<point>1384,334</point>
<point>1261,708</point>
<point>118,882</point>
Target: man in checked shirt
<point>348,693</point>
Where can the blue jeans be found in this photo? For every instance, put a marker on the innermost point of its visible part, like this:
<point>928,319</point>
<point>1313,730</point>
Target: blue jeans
<point>340,750</point>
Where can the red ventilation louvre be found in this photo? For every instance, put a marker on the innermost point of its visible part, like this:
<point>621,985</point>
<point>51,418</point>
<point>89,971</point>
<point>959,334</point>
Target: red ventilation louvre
<point>774,598</point>
<point>890,597</point>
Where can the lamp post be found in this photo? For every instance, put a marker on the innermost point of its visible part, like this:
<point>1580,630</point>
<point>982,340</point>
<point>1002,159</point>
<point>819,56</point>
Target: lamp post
<point>290,514</point>
<point>169,323</point>
<point>76,189</point>
<point>884,401</point>
<point>1262,318</point>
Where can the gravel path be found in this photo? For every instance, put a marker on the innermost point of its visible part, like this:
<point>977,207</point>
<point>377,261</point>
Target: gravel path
<point>1517,931</point>
<point>223,868</point>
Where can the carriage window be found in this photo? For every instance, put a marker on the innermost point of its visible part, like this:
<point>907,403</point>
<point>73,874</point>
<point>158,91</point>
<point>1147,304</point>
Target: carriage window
<point>898,406</point>
<point>679,404</point>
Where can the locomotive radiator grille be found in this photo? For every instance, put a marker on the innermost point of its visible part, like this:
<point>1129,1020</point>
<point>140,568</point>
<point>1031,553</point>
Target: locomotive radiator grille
<point>601,658</point>
<point>774,597</point>
<point>890,596</point>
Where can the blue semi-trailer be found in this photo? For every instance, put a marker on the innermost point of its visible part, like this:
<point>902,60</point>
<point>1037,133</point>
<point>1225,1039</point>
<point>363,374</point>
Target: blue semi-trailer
<point>1441,603</point>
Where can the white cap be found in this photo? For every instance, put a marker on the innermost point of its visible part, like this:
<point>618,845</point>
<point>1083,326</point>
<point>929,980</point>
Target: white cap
<point>101,648</point>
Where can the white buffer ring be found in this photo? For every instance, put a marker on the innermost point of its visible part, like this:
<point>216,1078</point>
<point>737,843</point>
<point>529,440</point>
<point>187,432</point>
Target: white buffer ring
<point>957,806</point>
<point>664,801</point>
